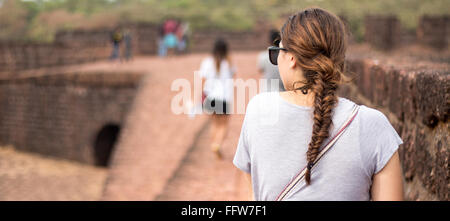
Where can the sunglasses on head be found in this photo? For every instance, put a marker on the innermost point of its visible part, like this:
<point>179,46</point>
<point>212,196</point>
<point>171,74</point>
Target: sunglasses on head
<point>274,51</point>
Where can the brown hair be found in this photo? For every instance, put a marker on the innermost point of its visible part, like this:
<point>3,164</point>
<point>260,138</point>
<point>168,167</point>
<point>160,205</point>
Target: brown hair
<point>317,39</point>
<point>220,52</point>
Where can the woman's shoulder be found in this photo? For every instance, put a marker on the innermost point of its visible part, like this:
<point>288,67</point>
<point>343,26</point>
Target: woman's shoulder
<point>263,97</point>
<point>372,116</point>
<point>371,120</point>
<point>379,139</point>
<point>377,128</point>
<point>367,114</point>
<point>261,100</point>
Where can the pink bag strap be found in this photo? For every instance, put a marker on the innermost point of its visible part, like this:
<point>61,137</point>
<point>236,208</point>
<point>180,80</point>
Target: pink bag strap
<point>301,174</point>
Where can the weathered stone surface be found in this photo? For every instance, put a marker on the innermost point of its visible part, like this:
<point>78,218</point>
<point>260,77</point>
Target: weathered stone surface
<point>394,96</point>
<point>433,96</point>
<point>408,95</point>
<point>443,173</point>
<point>417,99</point>
<point>407,153</point>
<point>433,166</point>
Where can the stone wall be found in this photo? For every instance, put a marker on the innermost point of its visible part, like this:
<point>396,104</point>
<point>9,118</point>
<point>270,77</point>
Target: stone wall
<point>73,47</point>
<point>387,33</point>
<point>82,46</point>
<point>145,40</point>
<point>62,115</point>
<point>382,32</point>
<point>416,101</point>
<point>203,41</point>
<point>68,48</point>
<point>434,31</point>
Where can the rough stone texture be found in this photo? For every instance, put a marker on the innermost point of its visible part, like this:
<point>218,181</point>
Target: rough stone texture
<point>416,100</point>
<point>433,96</point>
<point>61,114</point>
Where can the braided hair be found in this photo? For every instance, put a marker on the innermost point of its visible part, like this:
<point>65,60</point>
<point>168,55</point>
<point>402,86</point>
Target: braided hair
<point>317,40</point>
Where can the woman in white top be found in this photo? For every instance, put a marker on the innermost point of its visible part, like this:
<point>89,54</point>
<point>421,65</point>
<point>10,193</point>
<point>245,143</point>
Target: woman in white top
<point>363,164</point>
<point>217,80</point>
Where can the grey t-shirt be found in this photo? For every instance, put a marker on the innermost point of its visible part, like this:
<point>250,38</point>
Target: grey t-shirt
<point>274,139</point>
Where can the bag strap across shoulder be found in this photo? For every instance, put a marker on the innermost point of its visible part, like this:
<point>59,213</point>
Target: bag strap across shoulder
<point>301,174</point>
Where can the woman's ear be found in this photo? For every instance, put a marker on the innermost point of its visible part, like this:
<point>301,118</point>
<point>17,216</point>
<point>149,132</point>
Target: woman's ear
<point>292,61</point>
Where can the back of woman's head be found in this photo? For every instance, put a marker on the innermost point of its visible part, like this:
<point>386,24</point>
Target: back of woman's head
<point>317,40</point>
<point>220,52</point>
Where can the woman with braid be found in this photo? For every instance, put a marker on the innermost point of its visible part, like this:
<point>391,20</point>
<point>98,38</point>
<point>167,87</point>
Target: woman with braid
<point>284,132</point>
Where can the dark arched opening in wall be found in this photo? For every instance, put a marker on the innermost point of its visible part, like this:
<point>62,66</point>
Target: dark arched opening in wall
<point>104,144</point>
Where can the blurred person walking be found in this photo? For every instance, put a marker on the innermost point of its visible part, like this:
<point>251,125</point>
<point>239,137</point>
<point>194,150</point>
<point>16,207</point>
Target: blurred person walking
<point>217,72</point>
<point>116,39</point>
<point>170,40</point>
<point>320,146</point>
<point>267,69</point>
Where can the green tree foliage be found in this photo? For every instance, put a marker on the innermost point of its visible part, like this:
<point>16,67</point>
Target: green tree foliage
<point>13,20</point>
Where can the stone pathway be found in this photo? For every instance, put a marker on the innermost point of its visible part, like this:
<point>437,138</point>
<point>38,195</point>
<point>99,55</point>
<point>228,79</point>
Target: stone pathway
<point>201,176</point>
<point>27,176</point>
